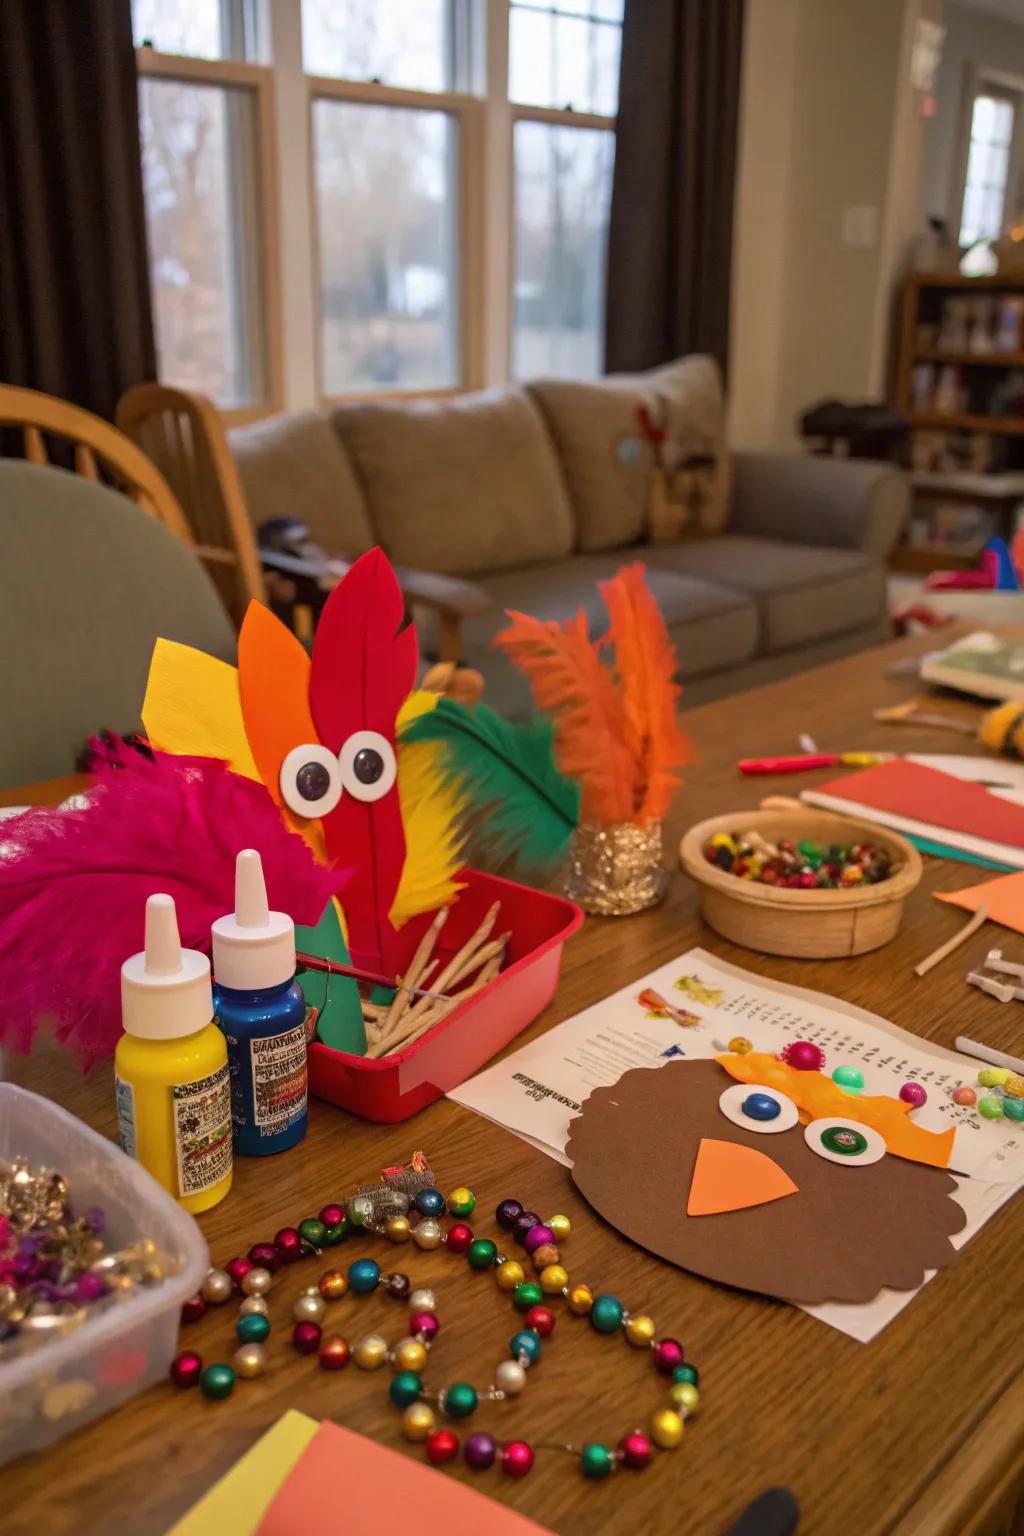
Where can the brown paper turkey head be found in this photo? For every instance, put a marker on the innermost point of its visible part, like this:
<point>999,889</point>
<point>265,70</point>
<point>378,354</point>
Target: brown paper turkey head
<point>828,1215</point>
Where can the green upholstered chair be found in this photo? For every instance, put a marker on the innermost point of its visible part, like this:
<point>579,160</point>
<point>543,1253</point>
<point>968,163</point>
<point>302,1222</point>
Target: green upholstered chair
<point>88,582</point>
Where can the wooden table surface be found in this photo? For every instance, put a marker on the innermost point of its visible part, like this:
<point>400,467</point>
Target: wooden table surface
<point>919,1431</point>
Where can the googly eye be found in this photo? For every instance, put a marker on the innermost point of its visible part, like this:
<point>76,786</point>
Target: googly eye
<point>845,1141</point>
<point>310,780</point>
<point>760,1109</point>
<point>368,767</point>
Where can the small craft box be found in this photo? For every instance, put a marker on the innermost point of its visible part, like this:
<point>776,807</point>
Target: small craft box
<point>397,1086</point>
<point>122,1347</point>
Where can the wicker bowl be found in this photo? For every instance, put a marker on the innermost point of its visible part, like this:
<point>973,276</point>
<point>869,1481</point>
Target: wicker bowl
<point>808,925</point>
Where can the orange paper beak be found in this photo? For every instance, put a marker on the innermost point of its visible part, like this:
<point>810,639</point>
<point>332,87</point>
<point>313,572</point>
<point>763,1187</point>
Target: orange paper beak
<point>731,1177</point>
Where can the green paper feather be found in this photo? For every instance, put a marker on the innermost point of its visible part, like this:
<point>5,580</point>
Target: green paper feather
<point>520,807</point>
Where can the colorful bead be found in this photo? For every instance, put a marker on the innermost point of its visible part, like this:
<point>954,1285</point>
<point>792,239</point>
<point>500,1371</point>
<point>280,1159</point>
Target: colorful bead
<point>537,1236</point>
<point>481,1253</point>
<point>994,1077</point>
<point>461,1201</point>
<point>541,1320</point>
<point>237,1269</point>
<point>509,1275</point>
<point>442,1446</point>
<point>288,1244</point>
<point>668,1354</point>
<point>333,1353</point>
<point>580,1299</point>
<point>424,1326</point>
<point>964,1095</point>
<point>418,1422</point>
<point>561,1226</point>
<point>914,1095</point>
<point>257,1282</point>
<point>310,1307</point>
<point>990,1107</point>
<point>606,1314</point>
<point>553,1280</point>
<point>217,1382</point>
<point>306,1338</point>
<point>1014,1086</point>
<point>1013,1109</point>
<point>422,1299</point>
<point>332,1215</point>
<point>460,1400</point>
<point>405,1388</point>
<point>250,1361</point>
<point>460,1238</point>
<point>426,1234</point>
<point>850,1079</point>
<point>398,1286</point>
<point>252,1328</point>
<point>510,1378</point>
<point>527,1295</point>
<point>264,1256</point>
<point>525,1343</point>
<point>640,1331</point>
<point>546,1254</point>
<point>429,1202</point>
<point>193,1309</point>
<point>333,1284</point>
<point>635,1451</point>
<point>740,1046</point>
<point>216,1287</point>
<point>803,1056</point>
<point>516,1458</point>
<point>761,1106</point>
<point>359,1210</point>
<point>370,1352</point>
<point>479,1451</point>
<point>364,1276</point>
<point>686,1373</point>
<point>666,1428</point>
<point>186,1368</point>
<point>337,1233</point>
<point>398,1229</point>
<point>312,1231</point>
<point>524,1222</point>
<point>410,1355</point>
<point>685,1397</point>
<point>595,1460</point>
<point>253,1304</point>
<point>507,1212</point>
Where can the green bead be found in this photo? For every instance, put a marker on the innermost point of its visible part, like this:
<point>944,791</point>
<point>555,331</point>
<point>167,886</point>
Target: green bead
<point>595,1460</point>
<point>461,1202</point>
<point>405,1388</point>
<point>526,1295</point>
<point>253,1328</point>
<point>313,1231</point>
<point>1013,1109</point>
<point>482,1253</point>
<point>850,1078</point>
<point>336,1234</point>
<point>688,1373</point>
<point>460,1400</point>
<point>217,1381</point>
<point>990,1107</point>
<point>606,1314</point>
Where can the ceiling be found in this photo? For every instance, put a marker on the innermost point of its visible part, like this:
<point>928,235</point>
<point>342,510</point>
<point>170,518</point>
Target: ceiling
<point>1013,10</point>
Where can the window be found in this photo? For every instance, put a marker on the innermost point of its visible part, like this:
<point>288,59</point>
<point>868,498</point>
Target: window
<point>565,53</point>
<point>393,42</point>
<point>988,167</point>
<point>202,29</point>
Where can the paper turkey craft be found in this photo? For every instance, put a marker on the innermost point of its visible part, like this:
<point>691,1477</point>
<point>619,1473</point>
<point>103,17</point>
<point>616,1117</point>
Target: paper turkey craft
<point>814,1212</point>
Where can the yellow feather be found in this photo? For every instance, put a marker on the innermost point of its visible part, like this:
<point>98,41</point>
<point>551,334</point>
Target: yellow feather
<point>431,813</point>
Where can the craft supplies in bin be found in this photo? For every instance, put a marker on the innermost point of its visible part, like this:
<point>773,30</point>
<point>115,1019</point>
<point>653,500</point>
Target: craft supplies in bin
<point>122,1346</point>
<point>396,1086</point>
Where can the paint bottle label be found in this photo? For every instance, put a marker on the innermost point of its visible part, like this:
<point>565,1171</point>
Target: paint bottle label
<point>125,1095</point>
<point>202,1131</point>
<point>278,1080</point>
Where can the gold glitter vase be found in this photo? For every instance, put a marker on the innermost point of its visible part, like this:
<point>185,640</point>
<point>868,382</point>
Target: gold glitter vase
<point>616,870</point>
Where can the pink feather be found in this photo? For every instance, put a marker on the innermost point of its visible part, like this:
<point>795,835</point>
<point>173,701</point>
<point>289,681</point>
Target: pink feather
<point>74,883</point>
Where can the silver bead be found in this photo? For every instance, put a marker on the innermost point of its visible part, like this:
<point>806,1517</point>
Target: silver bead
<point>400,1203</point>
<point>510,1377</point>
<point>257,1282</point>
<point>253,1304</point>
<point>309,1308</point>
<point>250,1360</point>
<point>422,1300</point>
<point>359,1209</point>
<point>427,1233</point>
<point>217,1286</point>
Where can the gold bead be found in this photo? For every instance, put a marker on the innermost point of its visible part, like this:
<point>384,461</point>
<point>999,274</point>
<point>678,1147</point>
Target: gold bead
<point>509,1275</point>
<point>553,1280</point>
<point>460,1197</point>
<point>561,1226</point>
<point>250,1360</point>
<point>371,1352</point>
<point>253,1304</point>
<point>398,1229</point>
<point>410,1355</point>
<point>546,1254</point>
<point>333,1284</point>
<point>309,1308</point>
<point>640,1331</point>
<point>257,1282</point>
<point>580,1300</point>
<point>417,1422</point>
<point>686,1398</point>
<point>217,1286</point>
<point>666,1428</point>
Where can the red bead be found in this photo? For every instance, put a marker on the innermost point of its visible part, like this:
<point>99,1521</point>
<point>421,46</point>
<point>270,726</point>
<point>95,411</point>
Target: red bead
<point>265,1256</point>
<point>425,1324</point>
<point>186,1368</point>
<point>459,1238</point>
<point>541,1320</point>
<point>668,1353</point>
<point>334,1354</point>
<point>193,1309</point>
<point>238,1269</point>
<point>306,1338</point>
<point>516,1458</point>
<point>332,1215</point>
<point>288,1244</point>
<point>636,1450</point>
<point>442,1446</point>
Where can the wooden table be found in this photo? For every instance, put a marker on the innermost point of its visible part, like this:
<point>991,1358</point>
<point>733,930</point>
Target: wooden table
<point>920,1431</point>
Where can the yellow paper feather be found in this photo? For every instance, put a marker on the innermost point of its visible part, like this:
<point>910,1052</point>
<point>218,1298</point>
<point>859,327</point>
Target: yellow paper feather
<point>193,708</point>
<point>431,815</point>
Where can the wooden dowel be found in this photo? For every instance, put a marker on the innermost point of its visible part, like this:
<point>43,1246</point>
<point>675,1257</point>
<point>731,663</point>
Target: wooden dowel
<point>376,1030</point>
<point>424,950</point>
<point>495,947</point>
<point>440,1011</point>
<point>954,943</point>
<point>456,966</point>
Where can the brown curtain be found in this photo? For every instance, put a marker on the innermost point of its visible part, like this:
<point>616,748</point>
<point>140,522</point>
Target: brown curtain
<point>670,236</point>
<point>75,313</point>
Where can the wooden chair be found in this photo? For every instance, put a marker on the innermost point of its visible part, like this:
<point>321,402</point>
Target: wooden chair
<point>183,435</point>
<point>101,452</point>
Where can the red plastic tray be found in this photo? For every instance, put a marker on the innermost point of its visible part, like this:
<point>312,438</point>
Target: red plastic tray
<point>400,1085</point>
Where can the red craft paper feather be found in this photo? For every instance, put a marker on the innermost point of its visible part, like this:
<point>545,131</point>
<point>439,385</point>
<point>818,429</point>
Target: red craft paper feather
<point>364,667</point>
<point>74,883</point>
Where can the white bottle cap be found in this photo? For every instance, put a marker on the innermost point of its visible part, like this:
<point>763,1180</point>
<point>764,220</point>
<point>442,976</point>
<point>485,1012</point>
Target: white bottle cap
<point>165,990</point>
<point>253,948</point>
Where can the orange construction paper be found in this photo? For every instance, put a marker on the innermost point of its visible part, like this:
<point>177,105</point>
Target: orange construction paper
<point>1004,898</point>
<point>343,1483</point>
<point>817,1097</point>
<point>273,679</point>
<point>731,1177</point>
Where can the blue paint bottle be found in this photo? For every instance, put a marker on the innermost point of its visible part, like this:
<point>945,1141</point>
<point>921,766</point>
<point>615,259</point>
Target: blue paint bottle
<point>262,1013</point>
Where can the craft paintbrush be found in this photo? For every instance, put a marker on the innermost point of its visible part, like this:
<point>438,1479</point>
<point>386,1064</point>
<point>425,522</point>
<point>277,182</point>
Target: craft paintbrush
<point>371,978</point>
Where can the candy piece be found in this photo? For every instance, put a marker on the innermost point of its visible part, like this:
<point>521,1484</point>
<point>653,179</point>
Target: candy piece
<point>1013,1109</point>
<point>914,1095</point>
<point>990,1107</point>
<point>994,1077</point>
<point>850,1079</point>
<point>964,1095</point>
<point>803,1056</point>
<point>1014,1086</point>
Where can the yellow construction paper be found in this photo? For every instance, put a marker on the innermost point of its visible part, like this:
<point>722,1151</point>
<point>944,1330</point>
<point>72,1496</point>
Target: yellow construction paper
<point>236,1504</point>
<point>193,707</point>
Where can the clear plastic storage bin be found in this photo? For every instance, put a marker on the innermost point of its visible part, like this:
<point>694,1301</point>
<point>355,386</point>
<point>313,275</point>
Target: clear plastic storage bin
<point>124,1346</point>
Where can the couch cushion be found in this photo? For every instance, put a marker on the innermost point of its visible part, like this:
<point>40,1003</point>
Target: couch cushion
<point>293,466</point>
<point>803,593</point>
<point>460,485</point>
<point>608,462</point>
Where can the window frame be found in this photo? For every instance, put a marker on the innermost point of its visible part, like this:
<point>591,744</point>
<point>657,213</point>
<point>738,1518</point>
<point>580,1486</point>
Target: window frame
<point>988,82</point>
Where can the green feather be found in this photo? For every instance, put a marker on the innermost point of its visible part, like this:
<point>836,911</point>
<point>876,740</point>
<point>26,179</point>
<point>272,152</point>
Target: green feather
<point>522,809</point>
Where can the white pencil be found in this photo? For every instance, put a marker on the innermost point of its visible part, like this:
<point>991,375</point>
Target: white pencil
<point>987,1053</point>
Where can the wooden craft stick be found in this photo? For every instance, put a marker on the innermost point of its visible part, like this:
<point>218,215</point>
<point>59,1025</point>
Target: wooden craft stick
<point>376,1028</point>
<point>441,1011</point>
<point>424,950</point>
<point>954,943</point>
<point>407,1020</point>
<point>495,947</point>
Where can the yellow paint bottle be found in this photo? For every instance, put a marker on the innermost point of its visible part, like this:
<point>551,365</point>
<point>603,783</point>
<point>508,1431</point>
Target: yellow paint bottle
<point>171,1067</point>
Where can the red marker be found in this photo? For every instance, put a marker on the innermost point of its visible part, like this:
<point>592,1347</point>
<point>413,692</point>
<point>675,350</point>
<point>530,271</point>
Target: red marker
<point>808,760</point>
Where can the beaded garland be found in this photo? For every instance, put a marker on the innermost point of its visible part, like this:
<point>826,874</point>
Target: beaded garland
<point>421,1406</point>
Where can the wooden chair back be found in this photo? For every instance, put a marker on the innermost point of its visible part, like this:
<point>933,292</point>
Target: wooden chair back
<point>101,452</point>
<point>183,434</point>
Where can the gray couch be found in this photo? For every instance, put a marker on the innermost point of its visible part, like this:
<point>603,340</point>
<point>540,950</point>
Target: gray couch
<point>763,564</point>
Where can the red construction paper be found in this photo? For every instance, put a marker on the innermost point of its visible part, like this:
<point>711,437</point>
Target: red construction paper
<point>730,1177</point>
<point>1004,898</point>
<point>925,794</point>
<point>273,679</point>
<point>343,1483</point>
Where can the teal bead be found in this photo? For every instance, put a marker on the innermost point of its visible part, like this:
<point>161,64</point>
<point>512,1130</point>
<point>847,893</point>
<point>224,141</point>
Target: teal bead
<point>430,1202</point>
<point>526,1295</point>
<point>313,1231</point>
<point>688,1373</point>
<point>990,1107</point>
<point>217,1381</point>
<point>364,1276</point>
<point>482,1253</point>
<point>460,1400</point>
<point>405,1388</point>
<point>595,1460</point>
<point>849,1078</point>
<point>1013,1109</point>
<point>253,1328</point>
<point>525,1343</point>
<point>606,1314</point>
<point>336,1234</point>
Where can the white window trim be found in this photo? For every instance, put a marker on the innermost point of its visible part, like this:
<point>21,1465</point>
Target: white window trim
<point>979,82</point>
